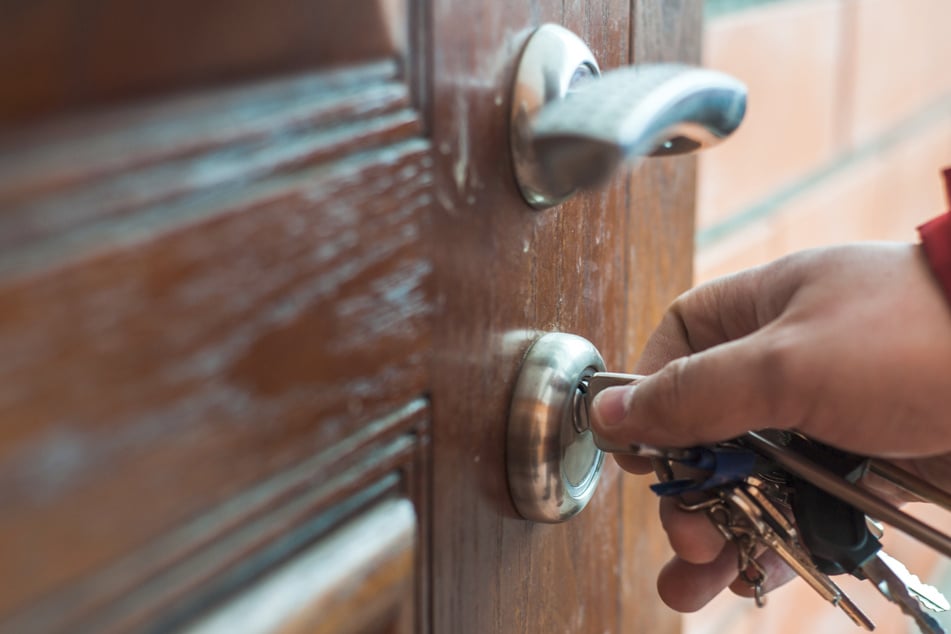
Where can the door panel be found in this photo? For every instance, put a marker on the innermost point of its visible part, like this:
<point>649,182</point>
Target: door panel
<point>264,271</point>
<point>171,372</point>
<point>603,265</point>
<point>65,55</point>
<point>357,580</point>
<point>523,271</point>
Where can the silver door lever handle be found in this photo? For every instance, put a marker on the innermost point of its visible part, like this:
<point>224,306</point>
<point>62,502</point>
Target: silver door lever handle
<point>572,127</point>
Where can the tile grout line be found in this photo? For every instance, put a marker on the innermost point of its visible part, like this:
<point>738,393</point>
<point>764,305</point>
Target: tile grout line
<point>713,9</point>
<point>918,122</point>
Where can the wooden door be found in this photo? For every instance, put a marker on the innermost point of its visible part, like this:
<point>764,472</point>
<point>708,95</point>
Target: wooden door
<point>265,282</point>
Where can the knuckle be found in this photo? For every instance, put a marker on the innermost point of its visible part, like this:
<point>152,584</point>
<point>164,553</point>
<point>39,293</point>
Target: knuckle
<point>670,388</point>
<point>779,367</point>
<point>680,303</point>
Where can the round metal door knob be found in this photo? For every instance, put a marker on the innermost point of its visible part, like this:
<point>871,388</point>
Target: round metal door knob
<point>553,469</point>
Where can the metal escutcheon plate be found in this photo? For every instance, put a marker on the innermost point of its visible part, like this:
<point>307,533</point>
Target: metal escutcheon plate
<point>552,469</point>
<point>553,60</point>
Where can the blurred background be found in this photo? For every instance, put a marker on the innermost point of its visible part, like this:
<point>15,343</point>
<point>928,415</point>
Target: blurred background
<point>849,125</point>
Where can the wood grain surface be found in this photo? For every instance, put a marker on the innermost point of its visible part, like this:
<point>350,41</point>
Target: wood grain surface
<point>265,268</point>
<point>70,55</point>
<point>183,298</point>
<point>357,580</point>
<point>602,265</point>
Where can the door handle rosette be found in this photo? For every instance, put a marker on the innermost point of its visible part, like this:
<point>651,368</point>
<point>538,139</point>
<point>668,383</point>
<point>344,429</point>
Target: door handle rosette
<point>572,126</point>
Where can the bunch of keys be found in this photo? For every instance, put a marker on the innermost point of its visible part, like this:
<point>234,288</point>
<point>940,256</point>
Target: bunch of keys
<point>798,498</point>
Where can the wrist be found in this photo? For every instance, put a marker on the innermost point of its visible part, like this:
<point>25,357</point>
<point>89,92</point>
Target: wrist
<point>936,245</point>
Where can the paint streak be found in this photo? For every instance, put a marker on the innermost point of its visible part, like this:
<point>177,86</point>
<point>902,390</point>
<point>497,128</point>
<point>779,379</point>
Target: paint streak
<point>460,169</point>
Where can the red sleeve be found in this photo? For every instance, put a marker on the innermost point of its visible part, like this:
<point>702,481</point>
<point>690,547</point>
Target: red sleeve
<point>936,243</point>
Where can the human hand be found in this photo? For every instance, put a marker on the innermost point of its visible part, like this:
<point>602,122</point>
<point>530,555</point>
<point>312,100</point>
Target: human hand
<point>849,345</point>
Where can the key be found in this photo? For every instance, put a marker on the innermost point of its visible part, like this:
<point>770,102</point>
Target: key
<point>744,515</point>
<point>911,483</point>
<point>775,531</point>
<point>601,380</point>
<point>723,464</point>
<point>834,532</point>
<point>893,587</point>
<point>840,541</point>
<point>866,501</point>
<point>928,596</point>
<point>736,529</point>
<point>814,468</point>
<point>717,466</point>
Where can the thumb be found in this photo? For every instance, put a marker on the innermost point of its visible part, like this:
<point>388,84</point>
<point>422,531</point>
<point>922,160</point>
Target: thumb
<point>706,397</point>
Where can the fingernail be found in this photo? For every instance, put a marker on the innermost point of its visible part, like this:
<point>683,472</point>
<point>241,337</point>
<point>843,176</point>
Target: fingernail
<point>611,404</point>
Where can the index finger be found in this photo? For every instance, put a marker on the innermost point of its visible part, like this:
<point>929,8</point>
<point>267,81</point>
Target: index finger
<point>719,311</point>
